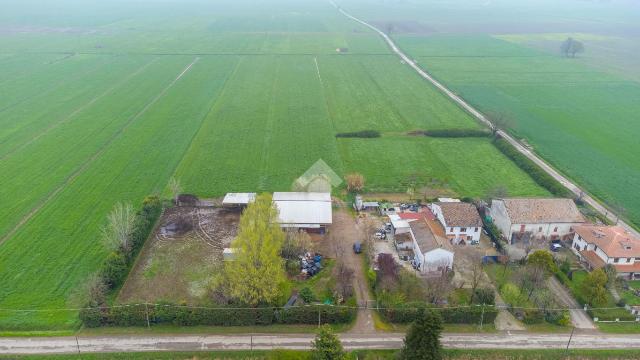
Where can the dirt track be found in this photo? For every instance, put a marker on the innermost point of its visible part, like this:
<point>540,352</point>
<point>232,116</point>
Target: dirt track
<point>579,317</point>
<point>347,233</point>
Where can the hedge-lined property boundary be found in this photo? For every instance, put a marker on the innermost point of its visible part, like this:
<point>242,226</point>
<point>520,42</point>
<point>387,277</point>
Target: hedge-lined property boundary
<point>183,315</point>
<point>537,174</point>
<point>408,312</point>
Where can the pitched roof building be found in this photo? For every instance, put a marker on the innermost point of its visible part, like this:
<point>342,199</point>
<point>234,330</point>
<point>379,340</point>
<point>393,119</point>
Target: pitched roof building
<point>307,210</point>
<point>601,245</point>
<point>461,221</point>
<point>535,218</point>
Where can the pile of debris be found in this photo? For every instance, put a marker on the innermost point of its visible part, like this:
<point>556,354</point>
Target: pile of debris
<point>310,264</point>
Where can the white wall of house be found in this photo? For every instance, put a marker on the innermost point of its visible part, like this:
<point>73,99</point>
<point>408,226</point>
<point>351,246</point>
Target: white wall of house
<point>435,259</point>
<point>456,232</point>
<point>466,234</point>
<point>580,244</point>
<point>430,261</point>
<point>500,217</point>
<point>547,230</point>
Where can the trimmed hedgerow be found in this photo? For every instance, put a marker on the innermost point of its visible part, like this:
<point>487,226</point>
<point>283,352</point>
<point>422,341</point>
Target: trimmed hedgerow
<point>457,133</point>
<point>408,312</point>
<point>537,174</point>
<point>183,315</point>
<point>359,134</point>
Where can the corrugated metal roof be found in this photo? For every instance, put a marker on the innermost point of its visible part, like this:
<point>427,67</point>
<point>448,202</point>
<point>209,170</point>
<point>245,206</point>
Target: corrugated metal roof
<point>304,212</point>
<point>301,196</point>
<point>238,198</point>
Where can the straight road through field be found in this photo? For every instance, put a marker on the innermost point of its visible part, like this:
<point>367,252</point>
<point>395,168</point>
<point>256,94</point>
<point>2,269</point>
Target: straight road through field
<point>480,117</point>
<point>73,344</point>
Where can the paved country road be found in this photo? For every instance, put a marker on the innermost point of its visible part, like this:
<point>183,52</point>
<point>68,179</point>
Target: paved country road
<point>303,341</point>
<point>480,117</point>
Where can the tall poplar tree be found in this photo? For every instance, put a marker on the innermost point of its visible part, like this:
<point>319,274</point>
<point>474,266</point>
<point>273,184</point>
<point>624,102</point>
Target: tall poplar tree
<point>257,270</point>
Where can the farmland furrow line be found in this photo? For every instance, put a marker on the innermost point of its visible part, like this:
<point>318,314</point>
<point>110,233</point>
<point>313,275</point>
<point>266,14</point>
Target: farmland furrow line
<point>52,88</point>
<point>80,170</point>
<point>262,183</point>
<point>315,60</point>
<point>76,112</point>
<point>213,106</point>
<point>329,114</point>
<point>539,161</point>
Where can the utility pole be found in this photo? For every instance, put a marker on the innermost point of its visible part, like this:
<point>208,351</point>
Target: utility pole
<point>570,337</point>
<point>146,310</point>
<point>318,316</point>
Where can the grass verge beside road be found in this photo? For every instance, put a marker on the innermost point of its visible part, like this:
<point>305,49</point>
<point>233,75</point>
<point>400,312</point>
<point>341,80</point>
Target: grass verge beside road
<point>453,354</point>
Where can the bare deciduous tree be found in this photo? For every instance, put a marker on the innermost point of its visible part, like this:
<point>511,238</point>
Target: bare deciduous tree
<point>355,182</point>
<point>175,188</point>
<point>439,285</point>
<point>296,243</point>
<point>368,229</point>
<point>344,280</point>
<point>120,225</point>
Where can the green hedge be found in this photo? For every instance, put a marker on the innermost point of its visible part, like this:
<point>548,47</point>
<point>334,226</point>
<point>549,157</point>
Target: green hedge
<point>457,133</point>
<point>496,236</point>
<point>408,312</point>
<point>116,266</point>
<point>611,314</point>
<point>359,134</point>
<point>166,313</point>
<point>537,174</point>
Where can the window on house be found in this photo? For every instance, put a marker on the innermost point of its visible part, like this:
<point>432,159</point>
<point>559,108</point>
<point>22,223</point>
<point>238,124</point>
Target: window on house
<point>475,230</point>
<point>463,229</point>
<point>555,229</point>
<point>616,260</point>
<point>540,229</point>
<point>628,260</point>
<point>451,230</point>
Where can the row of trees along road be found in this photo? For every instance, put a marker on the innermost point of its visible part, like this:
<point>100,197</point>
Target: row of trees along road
<point>422,341</point>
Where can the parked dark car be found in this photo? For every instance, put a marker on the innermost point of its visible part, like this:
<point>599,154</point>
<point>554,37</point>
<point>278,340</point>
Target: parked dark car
<point>357,248</point>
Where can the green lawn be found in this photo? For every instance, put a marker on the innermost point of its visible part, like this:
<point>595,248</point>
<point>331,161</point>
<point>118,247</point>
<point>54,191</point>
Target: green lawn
<point>468,166</point>
<point>581,119</point>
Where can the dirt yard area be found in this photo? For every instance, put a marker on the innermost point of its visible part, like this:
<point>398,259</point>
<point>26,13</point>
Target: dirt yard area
<point>177,262</point>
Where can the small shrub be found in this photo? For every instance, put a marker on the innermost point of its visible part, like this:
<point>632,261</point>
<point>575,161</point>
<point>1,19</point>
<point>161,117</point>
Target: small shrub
<point>484,296</point>
<point>307,295</point>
